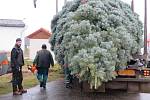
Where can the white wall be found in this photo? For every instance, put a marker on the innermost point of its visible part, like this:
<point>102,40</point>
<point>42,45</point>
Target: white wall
<point>35,45</point>
<point>8,37</point>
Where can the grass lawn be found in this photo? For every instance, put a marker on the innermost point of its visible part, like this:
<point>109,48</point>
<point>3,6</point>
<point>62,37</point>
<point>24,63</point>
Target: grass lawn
<point>29,79</point>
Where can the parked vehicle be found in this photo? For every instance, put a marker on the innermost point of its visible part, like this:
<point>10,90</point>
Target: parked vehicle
<point>4,64</point>
<point>135,78</point>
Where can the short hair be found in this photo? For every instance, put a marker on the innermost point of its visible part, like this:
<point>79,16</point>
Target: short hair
<point>44,46</point>
<point>18,39</point>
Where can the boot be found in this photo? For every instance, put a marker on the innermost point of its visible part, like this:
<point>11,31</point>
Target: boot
<point>41,84</point>
<point>23,91</point>
<point>68,85</point>
<point>44,86</point>
<point>17,93</point>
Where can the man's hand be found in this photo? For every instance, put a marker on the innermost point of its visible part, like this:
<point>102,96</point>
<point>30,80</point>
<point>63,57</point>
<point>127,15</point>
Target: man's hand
<point>33,64</point>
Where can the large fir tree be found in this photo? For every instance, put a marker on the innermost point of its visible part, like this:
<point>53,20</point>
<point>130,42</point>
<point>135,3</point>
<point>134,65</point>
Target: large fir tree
<point>95,37</point>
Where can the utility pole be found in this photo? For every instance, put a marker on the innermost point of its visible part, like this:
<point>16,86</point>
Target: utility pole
<point>145,31</point>
<point>34,2</point>
<point>132,5</point>
<point>56,6</point>
<point>65,1</point>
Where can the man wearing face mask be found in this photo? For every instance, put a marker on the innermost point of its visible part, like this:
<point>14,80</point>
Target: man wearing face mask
<point>17,61</point>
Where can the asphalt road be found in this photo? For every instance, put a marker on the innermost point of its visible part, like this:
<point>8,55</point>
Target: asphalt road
<point>56,91</point>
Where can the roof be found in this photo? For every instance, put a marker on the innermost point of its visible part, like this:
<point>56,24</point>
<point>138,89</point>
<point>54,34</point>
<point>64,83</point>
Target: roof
<point>11,23</point>
<point>40,34</point>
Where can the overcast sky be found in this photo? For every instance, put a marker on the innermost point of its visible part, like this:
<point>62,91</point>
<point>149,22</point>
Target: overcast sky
<point>24,9</point>
<point>41,16</point>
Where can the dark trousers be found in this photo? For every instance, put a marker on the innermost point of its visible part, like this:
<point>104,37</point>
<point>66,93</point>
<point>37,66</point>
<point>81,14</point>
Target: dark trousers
<point>17,80</point>
<point>42,75</point>
<point>68,76</point>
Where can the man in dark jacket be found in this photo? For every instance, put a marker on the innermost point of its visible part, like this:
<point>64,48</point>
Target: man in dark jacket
<point>17,61</point>
<point>43,60</point>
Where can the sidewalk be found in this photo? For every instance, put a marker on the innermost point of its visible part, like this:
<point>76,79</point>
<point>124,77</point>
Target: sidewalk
<point>56,91</point>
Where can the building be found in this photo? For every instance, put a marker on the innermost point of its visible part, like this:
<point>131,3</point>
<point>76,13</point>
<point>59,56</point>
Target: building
<point>10,29</point>
<point>34,41</point>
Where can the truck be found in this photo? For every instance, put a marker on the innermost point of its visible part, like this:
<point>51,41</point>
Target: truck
<point>4,63</point>
<point>133,79</point>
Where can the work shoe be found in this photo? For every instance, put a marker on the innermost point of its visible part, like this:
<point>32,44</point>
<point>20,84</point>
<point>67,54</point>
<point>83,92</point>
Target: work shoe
<point>69,86</point>
<point>23,91</point>
<point>44,87</point>
<point>17,93</point>
<point>41,84</point>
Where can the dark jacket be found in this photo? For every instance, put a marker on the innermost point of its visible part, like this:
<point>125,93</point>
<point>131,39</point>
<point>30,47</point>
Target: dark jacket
<point>43,59</point>
<point>17,60</point>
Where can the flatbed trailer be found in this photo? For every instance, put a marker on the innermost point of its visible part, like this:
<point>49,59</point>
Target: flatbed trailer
<point>138,82</point>
<point>131,85</point>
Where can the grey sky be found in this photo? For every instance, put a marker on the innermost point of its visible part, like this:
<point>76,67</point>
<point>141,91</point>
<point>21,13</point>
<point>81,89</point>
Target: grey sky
<point>41,16</point>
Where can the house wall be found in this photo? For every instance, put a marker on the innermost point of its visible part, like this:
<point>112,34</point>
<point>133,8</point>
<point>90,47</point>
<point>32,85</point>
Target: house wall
<point>35,45</point>
<point>8,37</point>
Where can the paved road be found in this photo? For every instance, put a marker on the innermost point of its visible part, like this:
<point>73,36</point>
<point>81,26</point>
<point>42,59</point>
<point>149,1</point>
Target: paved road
<point>56,91</point>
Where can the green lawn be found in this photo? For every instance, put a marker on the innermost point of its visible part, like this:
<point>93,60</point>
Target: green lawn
<point>29,79</point>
